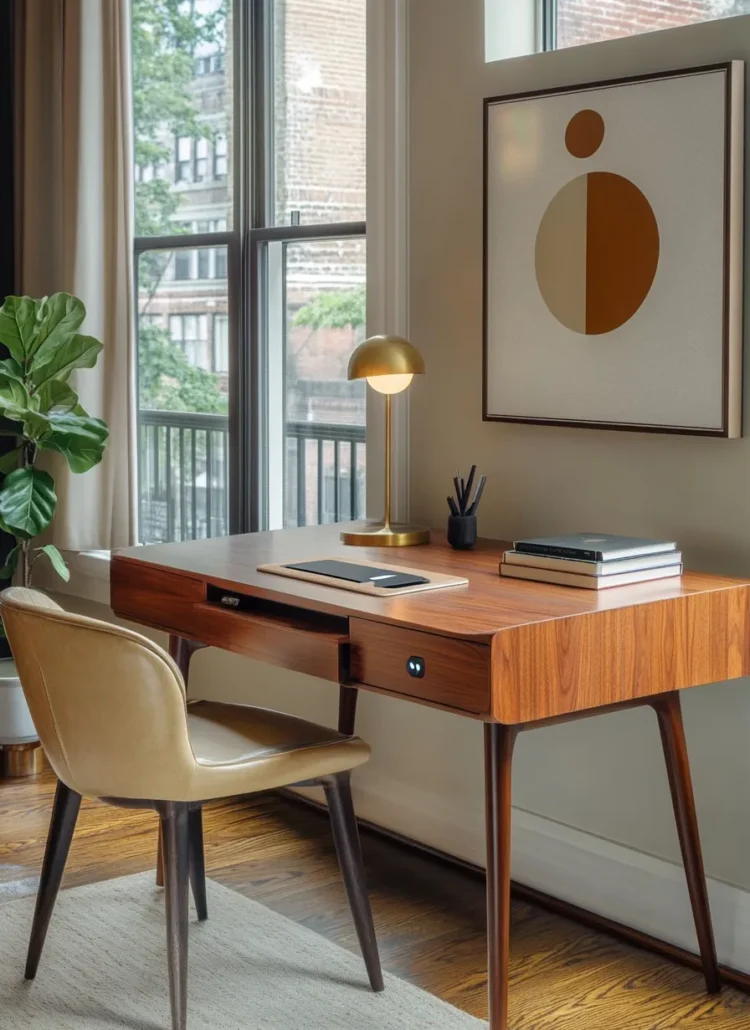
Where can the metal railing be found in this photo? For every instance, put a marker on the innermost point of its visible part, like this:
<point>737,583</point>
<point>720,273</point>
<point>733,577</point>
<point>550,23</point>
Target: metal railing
<point>183,474</point>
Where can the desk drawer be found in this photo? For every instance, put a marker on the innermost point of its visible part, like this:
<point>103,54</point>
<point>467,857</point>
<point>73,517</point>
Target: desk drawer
<point>454,673</point>
<point>278,634</point>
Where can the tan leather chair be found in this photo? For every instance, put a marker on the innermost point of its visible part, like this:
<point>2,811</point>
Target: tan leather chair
<point>111,712</point>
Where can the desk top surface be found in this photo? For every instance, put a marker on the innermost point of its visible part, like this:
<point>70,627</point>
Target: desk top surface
<point>488,604</point>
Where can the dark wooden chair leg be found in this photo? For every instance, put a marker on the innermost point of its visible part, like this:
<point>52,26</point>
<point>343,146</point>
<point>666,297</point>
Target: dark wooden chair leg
<point>498,758</point>
<point>349,851</point>
<point>197,863</point>
<point>669,713</point>
<point>176,833</point>
<point>63,823</point>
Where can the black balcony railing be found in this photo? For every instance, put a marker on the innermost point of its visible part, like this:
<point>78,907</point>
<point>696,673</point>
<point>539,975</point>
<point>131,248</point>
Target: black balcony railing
<point>183,473</point>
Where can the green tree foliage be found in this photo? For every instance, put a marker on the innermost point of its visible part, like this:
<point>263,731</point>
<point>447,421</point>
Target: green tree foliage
<point>336,310</point>
<point>166,35</point>
<point>168,382</point>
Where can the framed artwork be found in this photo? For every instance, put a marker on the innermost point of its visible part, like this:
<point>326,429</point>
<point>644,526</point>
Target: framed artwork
<point>613,230</point>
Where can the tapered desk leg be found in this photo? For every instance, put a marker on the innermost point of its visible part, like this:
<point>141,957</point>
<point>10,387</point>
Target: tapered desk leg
<point>347,709</point>
<point>181,650</point>
<point>669,712</point>
<point>498,758</point>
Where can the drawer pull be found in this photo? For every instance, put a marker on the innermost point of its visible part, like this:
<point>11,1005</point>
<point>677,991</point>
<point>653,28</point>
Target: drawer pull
<point>415,666</point>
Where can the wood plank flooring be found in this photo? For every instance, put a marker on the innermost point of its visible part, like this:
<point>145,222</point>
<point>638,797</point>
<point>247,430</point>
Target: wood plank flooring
<point>430,917</point>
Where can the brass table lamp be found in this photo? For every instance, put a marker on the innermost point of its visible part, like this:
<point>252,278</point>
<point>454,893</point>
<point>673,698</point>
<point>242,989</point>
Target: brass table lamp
<point>388,363</point>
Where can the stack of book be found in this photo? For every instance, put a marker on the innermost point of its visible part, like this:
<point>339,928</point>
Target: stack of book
<point>592,560</point>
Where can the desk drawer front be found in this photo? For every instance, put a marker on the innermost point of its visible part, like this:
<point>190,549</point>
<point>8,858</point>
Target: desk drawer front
<point>442,670</point>
<point>278,634</point>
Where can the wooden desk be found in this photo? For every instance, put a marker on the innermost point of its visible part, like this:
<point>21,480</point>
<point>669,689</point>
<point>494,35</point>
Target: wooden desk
<point>510,653</point>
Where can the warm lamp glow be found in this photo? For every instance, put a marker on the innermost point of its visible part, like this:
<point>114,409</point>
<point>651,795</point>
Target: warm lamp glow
<point>390,383</point>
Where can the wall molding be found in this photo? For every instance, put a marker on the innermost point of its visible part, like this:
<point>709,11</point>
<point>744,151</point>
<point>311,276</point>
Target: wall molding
<point>619,883</point>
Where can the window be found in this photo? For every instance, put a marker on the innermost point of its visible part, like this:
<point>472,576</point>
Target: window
<point>183,149</point>
<point>183,264</point>
<point>318,103</point>
<point>241,430</point>
<point>201,160</point>
<point>572,22</point>
<point>220,157</point>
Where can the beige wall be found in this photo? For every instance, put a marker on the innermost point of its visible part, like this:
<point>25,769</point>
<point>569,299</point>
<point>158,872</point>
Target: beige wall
<point>603,776</point>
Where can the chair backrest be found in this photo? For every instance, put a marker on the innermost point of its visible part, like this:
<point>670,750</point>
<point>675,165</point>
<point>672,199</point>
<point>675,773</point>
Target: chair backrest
<point>108,704</point>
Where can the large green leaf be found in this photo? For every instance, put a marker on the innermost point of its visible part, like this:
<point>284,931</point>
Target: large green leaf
<point>55,395</point>
<point>79,437</point>
<point>14,400</point>
<point>58,562</point>
<point>27,502</point>
<point>35,426</point>
<point>59,317</point>
<point>10,367</point>
<point>18,325</point>
<point>77,351</point>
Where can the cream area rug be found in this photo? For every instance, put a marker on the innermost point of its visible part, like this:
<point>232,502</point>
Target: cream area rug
<point>104,967</point>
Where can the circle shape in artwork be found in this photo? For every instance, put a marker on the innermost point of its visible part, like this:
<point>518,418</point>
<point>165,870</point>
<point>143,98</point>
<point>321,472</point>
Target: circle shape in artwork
<point>585,133</point>
<point>597,251</point>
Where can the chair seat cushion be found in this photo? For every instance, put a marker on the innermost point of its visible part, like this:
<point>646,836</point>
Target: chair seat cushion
<point>240,749</point>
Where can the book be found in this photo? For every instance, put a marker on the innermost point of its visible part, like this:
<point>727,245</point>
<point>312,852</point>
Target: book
<point>593,568</point>
<point>594,546</point>
<point>570,579</point>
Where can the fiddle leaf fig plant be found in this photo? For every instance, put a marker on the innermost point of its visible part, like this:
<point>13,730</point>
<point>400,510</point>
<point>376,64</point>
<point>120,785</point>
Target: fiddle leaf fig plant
<point>43,414</point>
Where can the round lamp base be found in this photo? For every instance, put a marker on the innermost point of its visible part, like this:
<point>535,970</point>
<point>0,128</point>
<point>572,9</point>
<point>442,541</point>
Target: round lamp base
<point>19,760</point>
<point>378,535</point>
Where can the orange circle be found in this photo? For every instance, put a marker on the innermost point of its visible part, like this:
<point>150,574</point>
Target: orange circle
<point>584,133</point>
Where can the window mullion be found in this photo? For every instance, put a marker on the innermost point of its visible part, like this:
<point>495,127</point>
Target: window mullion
<point>549,24</point>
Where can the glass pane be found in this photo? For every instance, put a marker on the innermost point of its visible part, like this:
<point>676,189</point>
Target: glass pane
<point>323,432</point>
<point>319,110</point>
<point>182,114</point>
<point>581,21</point>
<point>183,402</point>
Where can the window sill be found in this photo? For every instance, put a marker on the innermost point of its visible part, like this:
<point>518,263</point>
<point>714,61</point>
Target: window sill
<point>89,576</point>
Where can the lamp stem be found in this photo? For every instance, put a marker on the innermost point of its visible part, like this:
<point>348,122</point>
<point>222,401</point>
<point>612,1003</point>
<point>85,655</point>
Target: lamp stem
<point>387,461</point>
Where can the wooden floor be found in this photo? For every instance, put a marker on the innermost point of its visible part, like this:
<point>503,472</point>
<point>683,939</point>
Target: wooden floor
<point>429,917</point>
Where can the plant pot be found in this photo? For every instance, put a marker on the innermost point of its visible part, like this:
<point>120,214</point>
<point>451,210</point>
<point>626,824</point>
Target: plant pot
<point>16,726</point>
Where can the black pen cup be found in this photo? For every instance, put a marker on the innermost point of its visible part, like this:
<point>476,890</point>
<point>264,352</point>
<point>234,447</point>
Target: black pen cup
<point>462,531</point>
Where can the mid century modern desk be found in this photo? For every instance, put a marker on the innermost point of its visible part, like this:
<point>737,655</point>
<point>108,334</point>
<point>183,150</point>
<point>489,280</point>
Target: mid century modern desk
<point>510,653</point>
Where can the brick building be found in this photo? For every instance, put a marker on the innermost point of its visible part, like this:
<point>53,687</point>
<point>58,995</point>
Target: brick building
<point>590,21</point>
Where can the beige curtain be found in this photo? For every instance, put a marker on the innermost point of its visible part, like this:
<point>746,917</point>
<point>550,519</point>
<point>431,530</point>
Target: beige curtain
<point>75,231</point>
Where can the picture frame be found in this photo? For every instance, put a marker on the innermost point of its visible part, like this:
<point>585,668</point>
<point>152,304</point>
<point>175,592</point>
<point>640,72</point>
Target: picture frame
<point>613,253</point>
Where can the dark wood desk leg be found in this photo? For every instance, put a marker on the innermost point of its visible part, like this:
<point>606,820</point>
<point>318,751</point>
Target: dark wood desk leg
<point>669,712</point>
<point>347,709</point>
<point>498,759</point>
<point>181,650</point>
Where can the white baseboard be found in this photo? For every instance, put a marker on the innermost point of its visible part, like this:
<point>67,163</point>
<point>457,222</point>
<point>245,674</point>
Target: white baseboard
<point>620,883</point>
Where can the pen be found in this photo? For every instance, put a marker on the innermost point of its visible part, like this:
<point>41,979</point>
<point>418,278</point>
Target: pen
<point>458,493</point>
<point>477,495</point>
<point>470,481</point>
<point>452,506</point>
